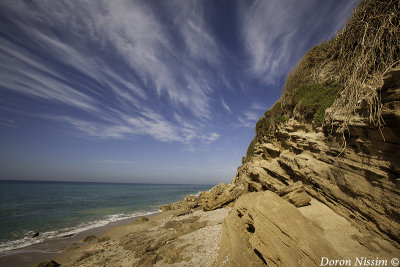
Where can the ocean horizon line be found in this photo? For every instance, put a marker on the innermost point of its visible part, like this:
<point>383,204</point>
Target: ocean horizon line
<point>95,182</point>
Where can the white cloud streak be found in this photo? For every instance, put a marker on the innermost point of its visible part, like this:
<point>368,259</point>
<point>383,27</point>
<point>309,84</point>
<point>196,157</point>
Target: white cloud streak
<point>277,32</point>
<point>146,68</point>
<point>225,106</point>
<point>26,75</point>
<point>257,106</point>
<point>249,117</point>
<point>189,19</point>
<point>7,123</point>
<point>133,32</point>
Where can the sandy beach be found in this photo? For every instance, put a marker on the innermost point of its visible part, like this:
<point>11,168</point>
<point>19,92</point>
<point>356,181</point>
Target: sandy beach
<point>178,238</point>
<point>172,237</point>
<point>49,249</point>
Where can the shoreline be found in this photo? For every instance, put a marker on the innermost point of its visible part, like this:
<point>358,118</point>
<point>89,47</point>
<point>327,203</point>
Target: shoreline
<point>177,237</point>
<point>53,247</point>
<point>65,232</point>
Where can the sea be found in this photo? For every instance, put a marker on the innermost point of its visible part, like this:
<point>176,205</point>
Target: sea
<point>59,209</point>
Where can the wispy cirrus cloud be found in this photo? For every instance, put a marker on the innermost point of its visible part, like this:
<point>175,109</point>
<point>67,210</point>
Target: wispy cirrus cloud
<point>27,74</point>
<point>277,33</point>
<point>118,69</point>
<point>122,127</point>
<point>115,61</point>
<point>189,18</point>
<point>256,106</point>
<point>245,121</point>
<point>249,117</point>
<point>7,122</point>
<point>225,106</point>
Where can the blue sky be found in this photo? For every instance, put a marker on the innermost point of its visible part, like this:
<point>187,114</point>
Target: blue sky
<point>145,91</point>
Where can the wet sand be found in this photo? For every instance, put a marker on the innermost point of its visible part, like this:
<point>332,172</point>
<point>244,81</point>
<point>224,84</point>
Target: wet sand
<point>52,248</point>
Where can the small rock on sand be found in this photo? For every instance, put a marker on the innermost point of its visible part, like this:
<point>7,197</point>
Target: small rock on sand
<point>35,234</point>
<point>48,264</point>
<point>89,238</point>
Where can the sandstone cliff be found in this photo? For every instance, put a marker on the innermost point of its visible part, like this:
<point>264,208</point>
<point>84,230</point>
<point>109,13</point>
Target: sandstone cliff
<point>331,147</point>
<point>361,183</point>
<point>348,197</point>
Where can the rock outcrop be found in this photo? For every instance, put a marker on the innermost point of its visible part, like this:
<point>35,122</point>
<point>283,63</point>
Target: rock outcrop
<point>263,229</point>
<point>295,194</point>
<point>219,196</point>
<point>298,166</point>
<point>360,182</point>
<point>150,246</point>
<point>188,203</point>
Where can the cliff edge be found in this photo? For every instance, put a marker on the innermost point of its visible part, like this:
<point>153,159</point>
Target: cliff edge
<point>321,179</point>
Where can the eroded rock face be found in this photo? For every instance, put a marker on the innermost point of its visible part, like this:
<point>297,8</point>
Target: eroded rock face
<point>264,229</point>
<point>220,196</point>
<point>153,246</point>
<point>300,161</point>
<point>189,202</point>
<point>295,194</point>
<point>361,182</point>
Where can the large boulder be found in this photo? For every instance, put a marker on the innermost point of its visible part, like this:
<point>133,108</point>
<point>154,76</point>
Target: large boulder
<point>220,195</point>
<point>295,194</point>
<point>264,229</point>
<point>188,203</point>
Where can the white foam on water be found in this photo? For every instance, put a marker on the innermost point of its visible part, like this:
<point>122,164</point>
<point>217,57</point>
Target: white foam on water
<point>198,193</point>
<point>28,240</point>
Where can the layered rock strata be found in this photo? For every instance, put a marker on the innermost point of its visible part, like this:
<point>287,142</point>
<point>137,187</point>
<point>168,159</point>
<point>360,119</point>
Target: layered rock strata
<point>346,188</point>
<point>264,229</point>
<point>348,195</point>
<point>219,196</point>
<point>360,182</point>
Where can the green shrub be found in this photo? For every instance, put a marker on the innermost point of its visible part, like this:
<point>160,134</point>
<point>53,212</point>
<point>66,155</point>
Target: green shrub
<point>313,62</point>
<point>250,150</point>
<point>313,99</point>
<point>271,117</point>
<point>262,125</point>
<point>281,118</point>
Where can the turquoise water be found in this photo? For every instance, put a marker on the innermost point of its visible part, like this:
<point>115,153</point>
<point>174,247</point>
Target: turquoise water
<point>56,209</point>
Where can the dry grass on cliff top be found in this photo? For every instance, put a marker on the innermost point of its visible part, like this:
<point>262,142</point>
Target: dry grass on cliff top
<point>366,47</point>
<point>340,72</point>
